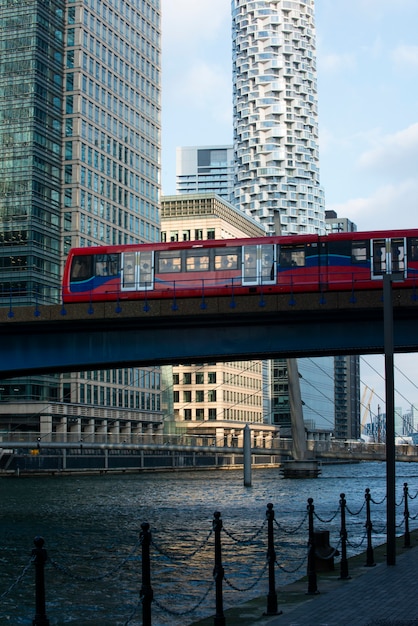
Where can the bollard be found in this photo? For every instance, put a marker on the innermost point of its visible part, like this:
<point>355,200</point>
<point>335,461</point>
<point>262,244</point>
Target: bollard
<point>407,537</point>
<point>40,556</point>
<point>218,570</point>
<point>312,586</point>
<point>343,536</point>
<point>146,594</point>
<point>271,560</point>
<point>369,526</point>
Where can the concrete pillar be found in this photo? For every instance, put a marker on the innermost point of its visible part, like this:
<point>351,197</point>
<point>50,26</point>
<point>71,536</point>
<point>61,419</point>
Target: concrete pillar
<point>45,427</point>
<point>61,430</point>
<point>74,429</point>
<point>89,431</point>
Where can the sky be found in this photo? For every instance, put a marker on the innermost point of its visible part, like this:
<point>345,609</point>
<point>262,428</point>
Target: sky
<point>367,64</point>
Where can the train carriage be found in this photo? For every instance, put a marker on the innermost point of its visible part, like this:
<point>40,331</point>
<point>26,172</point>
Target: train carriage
<point>303,263</point>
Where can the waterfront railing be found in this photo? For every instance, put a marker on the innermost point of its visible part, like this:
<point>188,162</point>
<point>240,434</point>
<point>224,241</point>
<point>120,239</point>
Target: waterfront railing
<point>270,548</point>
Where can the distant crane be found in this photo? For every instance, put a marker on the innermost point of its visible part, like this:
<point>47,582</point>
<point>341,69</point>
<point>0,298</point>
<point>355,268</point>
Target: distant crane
<point>367,429</point>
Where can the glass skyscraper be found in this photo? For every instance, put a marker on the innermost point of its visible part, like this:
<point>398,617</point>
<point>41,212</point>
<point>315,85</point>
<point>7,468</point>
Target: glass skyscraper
<point>79,160</point>
<point>275,114</point>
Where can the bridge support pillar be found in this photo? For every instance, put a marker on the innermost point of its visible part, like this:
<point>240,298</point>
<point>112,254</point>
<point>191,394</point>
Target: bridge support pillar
<point>61,430</point>
<point>74,429</point>
<point>89,431</point>
<point>126,432</point>
<point>45,427</point>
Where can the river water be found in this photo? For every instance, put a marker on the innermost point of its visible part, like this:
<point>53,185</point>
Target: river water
<point>91,528</point>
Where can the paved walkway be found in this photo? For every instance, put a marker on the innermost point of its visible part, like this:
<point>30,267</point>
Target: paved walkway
<point>381,595</point>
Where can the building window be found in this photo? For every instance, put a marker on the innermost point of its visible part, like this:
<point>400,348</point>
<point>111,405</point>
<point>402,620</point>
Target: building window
<point>200,396</point>
<point>212,414</point>
<point>212,395</point>
<point>187,378</point>
<point>187,396</point>
<point>176,379</point>
<point>212,377</point>
<point>187,414</point>
<point>200,414</point>
<point>199,378</point>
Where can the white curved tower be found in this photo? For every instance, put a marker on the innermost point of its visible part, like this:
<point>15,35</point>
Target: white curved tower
<point>276,114</point>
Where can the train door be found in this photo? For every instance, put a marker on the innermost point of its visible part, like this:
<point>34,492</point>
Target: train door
<point>137,273</point>
<point>388,256</point>
<point>259,264</point>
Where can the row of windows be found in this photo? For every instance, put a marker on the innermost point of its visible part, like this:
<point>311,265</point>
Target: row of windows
<point>238,415</point>
<point>105,233</point>
<point>122,398</point>
<point>241,398</point>
<point>200,395</point>
<point>198,234</point>
<point>199,378</point>
<point>127,376</point>
<point>114,213</point>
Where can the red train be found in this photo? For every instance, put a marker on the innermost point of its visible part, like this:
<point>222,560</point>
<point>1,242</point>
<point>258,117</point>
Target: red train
<point>286,264</point>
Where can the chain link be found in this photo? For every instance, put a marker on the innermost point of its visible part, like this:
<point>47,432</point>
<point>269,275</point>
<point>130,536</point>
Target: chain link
<point>326,521</point>
<point>244,541</point>
<point>66,570</point>
<point>173,557</point>
<point>254,584</point>
<point>187,611</point>
<point>295,530</point>
<point>19,578</point>
<point>358,512</point>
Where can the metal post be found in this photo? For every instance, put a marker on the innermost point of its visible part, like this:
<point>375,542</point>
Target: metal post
<point>218,570</point>
<point>407,537</point>
<point>369,552</point>
<point>390,419</point>
<point>343,535</point>
<point>247,456</point>
<point>146,593</point>
<point>312,586</point>
<point>271,560</point>
<point>40,556</point>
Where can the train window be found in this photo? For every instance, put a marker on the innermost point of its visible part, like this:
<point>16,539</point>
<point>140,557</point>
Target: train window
<point>197,260</point>
<point>292,256</point>
<point>106,265</point>
<point>359,251</point>
<point>82,268</point>
<point>413,249</point>
<point>226,259</point>
<point>169,261</point>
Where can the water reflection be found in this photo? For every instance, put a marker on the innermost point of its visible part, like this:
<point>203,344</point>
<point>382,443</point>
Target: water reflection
<point>91,525</point>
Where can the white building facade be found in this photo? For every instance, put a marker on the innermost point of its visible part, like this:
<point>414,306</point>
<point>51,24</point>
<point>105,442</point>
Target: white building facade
<point>276,115</point>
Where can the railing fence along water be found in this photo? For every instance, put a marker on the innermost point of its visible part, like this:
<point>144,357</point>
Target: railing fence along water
<point>316,555</point>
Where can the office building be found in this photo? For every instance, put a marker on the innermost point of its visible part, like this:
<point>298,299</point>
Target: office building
<point>206,169</point>
<point>80,166</point>
<point>276,115</point>
<point>214,401</point>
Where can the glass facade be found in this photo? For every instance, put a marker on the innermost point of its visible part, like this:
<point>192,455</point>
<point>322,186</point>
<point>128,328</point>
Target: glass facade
<point>80,129</point>
<point>207,169</point>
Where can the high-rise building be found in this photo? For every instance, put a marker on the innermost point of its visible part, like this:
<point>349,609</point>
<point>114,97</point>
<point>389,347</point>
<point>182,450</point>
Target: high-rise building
<point>80,162</point>
<point>205,169</point>
<point>276,155</point>
<point>275,114</point>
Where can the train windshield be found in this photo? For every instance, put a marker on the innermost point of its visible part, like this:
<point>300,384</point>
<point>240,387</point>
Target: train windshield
<point>88,266</point>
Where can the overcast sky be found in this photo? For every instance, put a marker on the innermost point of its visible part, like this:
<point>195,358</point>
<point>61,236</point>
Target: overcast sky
<point>367,61</point>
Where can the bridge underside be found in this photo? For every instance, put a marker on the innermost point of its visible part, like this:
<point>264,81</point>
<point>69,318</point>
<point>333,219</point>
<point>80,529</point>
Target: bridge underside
<point>80,337</point>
